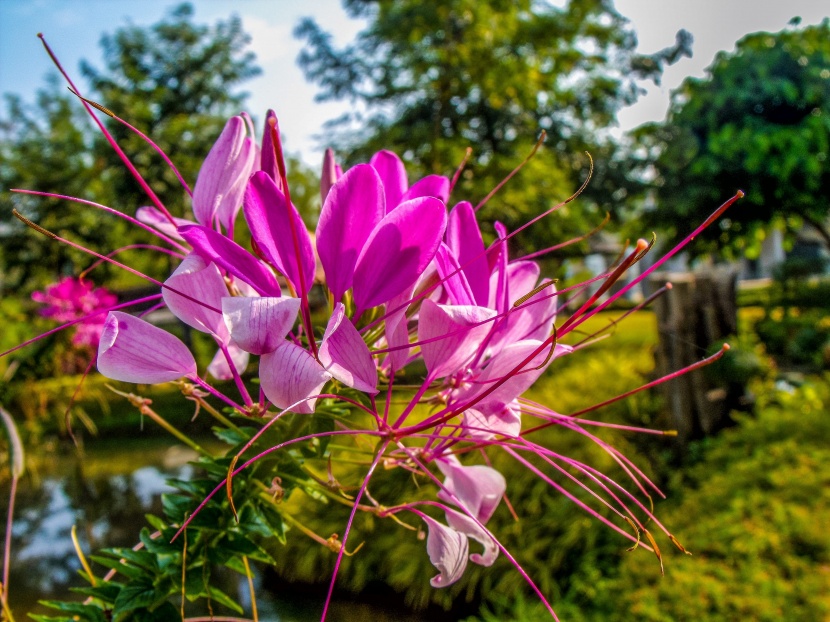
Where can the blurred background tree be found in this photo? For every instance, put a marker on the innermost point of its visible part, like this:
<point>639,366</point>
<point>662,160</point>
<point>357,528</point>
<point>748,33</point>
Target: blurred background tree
<point>177,81</point>
<point>431,79</point>
<point>759,121</point>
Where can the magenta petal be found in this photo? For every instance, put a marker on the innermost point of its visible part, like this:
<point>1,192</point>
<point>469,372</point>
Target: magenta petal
<point>219,367</point>
<point>353,208</point>
<point>447,550</point>
<point>398,251</point>
<point>329,175</point>
<point>479,488</point>
<point>220,170</point>
<point>133,350</point>
<point>454,281</point>
<point>205,287</point>
<point>436,186</point>
<point>346,356</point>
<point>231,257</point>
<point>466,525</point>
<point>270,220</point>
<point>268,159</point>
<point>290,374</point>
<point>259,325</point>
<point>461,328</point>
<point>392,175</point>
<point>464,239</point>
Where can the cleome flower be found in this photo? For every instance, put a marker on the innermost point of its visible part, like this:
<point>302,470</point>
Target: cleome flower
<point>412,289</point>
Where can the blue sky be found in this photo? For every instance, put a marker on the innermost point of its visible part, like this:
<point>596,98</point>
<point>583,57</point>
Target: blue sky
<point>73,29</point>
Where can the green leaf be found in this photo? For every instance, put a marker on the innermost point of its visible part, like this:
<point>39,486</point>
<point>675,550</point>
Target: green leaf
<point>136,595</point>
<point>77,611</point>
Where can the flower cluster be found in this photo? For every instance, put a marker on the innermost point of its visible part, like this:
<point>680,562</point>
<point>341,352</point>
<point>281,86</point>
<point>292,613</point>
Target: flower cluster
<point>76,299</point>
<point>411,289</point>
<point>409,282</point>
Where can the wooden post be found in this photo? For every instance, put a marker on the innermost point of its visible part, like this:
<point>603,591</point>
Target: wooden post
<point>700,310</point>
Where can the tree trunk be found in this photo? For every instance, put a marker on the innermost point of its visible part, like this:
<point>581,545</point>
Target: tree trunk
<point>698,312</point>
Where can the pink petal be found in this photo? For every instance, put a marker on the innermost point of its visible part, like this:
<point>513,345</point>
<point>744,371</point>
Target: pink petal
<point>466,525</point>
<point>392,175</point>
<point>397,330</point>
<point>202,283</point>
<point>133,350</point>
<point>464,239</point>
<point>259,325</point>
<point>152,216</point>
<point>504,422</point>
<point>534,318</point>
<point>290,374</point>
<point>353,208</point>
<point>436,186</point>
<point>231,203</point>
<point>219,367</point>
<point>479,488</point>
<point>454,281</point>
<point>497,258</point>
<point>231,257</point>
<point>270,220</point>
<point>447,551</point>
<point>398,250</point>
<point>220,170</point>
<point>461,331</point>
<point>504,363</point>
<point>346,356</point>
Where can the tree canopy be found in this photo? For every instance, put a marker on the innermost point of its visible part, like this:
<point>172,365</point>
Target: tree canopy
<point>176,80</point>
<point>431,79</point>
<point>760,121</point>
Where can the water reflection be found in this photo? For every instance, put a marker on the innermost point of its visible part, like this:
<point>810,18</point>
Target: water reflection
<point>103,492</point>
<point>107,493</point>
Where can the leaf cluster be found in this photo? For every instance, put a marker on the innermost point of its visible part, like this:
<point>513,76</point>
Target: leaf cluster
<point>760,121</point>
<point>430,80</point>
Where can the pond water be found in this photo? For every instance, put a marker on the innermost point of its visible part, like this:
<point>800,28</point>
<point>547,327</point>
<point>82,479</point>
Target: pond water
<point>106,494</point>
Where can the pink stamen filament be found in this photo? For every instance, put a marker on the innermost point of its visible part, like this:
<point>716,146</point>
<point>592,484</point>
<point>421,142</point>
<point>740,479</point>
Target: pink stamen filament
<point>144,185</point>
<point>109,210</point>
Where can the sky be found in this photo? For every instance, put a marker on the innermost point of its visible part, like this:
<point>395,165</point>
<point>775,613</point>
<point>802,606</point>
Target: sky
<point>73,29</point>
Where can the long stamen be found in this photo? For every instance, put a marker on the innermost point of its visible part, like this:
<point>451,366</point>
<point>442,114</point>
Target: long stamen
<point>130,167</point>
<point>141,135</point>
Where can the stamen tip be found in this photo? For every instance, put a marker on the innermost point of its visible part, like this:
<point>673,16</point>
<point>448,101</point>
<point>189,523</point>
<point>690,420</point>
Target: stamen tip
<point>641,245</point>
<point>669,432</point>
<point>669,285</point>
<point>740,194</point>
<point>726,347</point>
<point>40,35</point>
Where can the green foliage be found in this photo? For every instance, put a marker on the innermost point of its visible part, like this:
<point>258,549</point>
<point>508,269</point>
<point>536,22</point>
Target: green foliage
<point>167,567</point>
<point>758,121</point>
<point>749,511</point>
<point>432,79</point>
<point>176,81</point>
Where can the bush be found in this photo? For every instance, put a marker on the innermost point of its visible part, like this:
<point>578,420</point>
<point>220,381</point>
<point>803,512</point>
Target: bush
<point>750,511</point>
